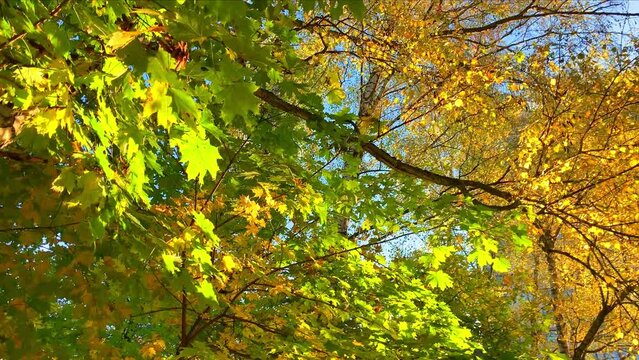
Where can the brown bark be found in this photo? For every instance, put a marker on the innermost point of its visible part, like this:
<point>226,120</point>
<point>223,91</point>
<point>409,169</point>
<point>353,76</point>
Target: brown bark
<point>387,159</point>
<point>555,295</point>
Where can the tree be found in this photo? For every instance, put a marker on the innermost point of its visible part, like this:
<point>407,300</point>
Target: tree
<point>225,179</point>
<point>518,84</point>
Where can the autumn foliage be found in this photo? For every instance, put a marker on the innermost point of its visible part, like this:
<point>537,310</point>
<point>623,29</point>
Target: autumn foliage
<point>310,179</point>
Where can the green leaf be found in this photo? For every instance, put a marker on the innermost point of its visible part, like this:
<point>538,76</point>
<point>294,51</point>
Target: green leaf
<point>274,75</point>
<point>238,100</point>
<point>520,236</point>
<point>501,265</point>
<point>206,289</point>
<point>336,96</point>
<point>159,102</point>
<point>184,102</point>
<point>439,279</point>
<point>482,257</point>
<point>357,8</point>
<point>137,177</point>
<point>207,123</point>
<point>169,262</point>
<point>97,227</point>
<point>489,244</point>
<point>402,327</point>
<point>322,212</point>
<point>556,356</point>
<point>58,38</point>
<point>198,349</point>
<point>103,161</point>
<point>161,66</point>
<point>64,181</point>
<point>200,156</point>
<point>120,39</point>
<point>114,67</point>
<point>201,256</point>
<point>522,241</point>
<point>92,191</point>
<point>206,226</point>
<point>440,254</point>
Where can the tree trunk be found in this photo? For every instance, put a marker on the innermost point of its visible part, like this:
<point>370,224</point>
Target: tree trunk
<point>548,243</point>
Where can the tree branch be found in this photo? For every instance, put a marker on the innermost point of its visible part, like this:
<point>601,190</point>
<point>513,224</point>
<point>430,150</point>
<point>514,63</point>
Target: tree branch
<point>22,34</point>
<point>36,228</point>
<point>386,158</point>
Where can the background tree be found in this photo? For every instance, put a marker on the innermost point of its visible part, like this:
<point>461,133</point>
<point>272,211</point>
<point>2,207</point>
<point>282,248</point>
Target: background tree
<point>504,89</point>
<point>226,179</point>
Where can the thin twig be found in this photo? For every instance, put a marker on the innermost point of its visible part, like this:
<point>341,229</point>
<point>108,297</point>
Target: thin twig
<point>37,24</point>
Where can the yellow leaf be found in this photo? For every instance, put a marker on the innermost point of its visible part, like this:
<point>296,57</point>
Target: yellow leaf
<point>232,54</point>
<point>366,224</point>
<point>121,39</point>
<point>32,76</point>
<point>228,264</point>
<point>279,288</point>
<point>148,351</point>
<point>159,344</point>
<point>147,12</point>
<point>553,82</point>
<point>247,207</point>
<point>303,325</point>
<point>282,208</point>
<point>403,326</point>
<point>258,191</point>
<point>459,103</point>
<point>252,228</point>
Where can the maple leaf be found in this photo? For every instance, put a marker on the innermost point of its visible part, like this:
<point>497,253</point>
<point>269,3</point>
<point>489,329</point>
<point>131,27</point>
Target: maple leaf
<point>501,265</point>
<point>120,39</point>
<point>199,155</point>
<point>159,102</point>
<point>253,228</point>
<point>169,262</point>
<point>201,256</point>
<point>482,257</point>
<point>439,279</point>
<point>65,181</point>
<point>114,67</point>
<point>206,289</point>
<point>207,227</point>
<point>228,263</point>
<point>148,351</point>
<point>369,125</point>
<point>238,100</point>
<point>184,102</point>
<point>248,207</point>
